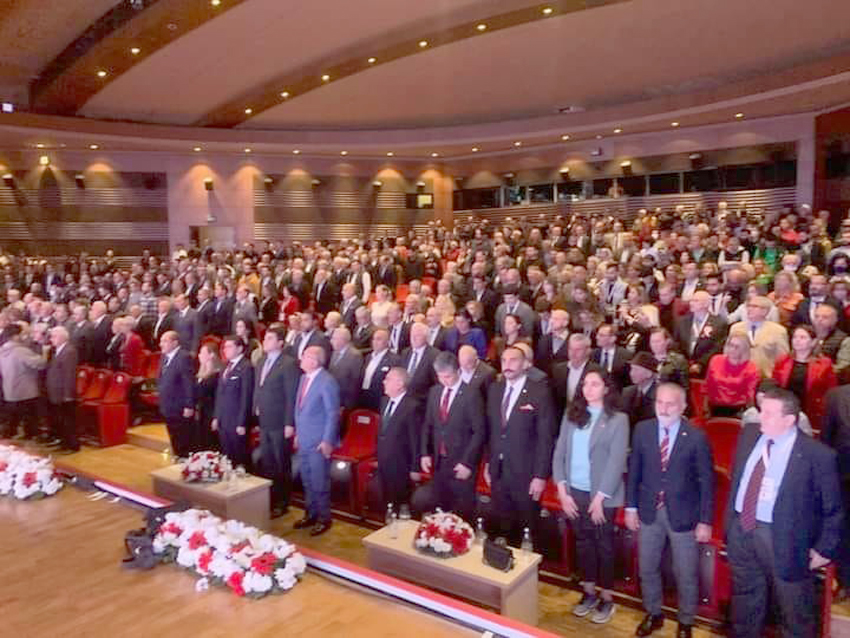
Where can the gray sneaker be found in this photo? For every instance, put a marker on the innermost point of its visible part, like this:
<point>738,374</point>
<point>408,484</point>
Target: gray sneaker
<point>586,605</point>
<point>604,612</point>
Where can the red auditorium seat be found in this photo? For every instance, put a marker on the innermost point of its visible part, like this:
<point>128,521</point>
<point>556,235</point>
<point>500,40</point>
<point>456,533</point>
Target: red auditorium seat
<point>358,445</point>
<point>152,364</point>
<point>99,384</point>
<point>401,292</point>
<point>84,378</point>
<point>112,411</point>
<point>699,400</point>
<point>723,435</point>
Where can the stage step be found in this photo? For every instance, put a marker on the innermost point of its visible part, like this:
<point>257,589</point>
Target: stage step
<point>152,436</point>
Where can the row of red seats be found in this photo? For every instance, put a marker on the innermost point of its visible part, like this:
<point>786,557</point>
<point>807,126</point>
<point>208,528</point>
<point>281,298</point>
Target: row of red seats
<point>103,408</point>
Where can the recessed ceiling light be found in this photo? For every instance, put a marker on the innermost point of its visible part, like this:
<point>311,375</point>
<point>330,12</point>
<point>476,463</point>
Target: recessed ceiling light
<point>248,111</point>
<point>482,27</point>
<point>93,147</point>
<point>625,163</point>
<point>435,155</point>
<point>517,143</point>
<point>343,152</point>
<point>197,149</point>
<point>101,74</point>
<point>598,137</point>
<point>564,138</point>
<point>39,145</point>
<point>44,160</point>
<point>674,124</point>
<point>296,152</point>
<point>135,50</point>
<point>284,94</point>
<point>372,60</point>
<point>390,154</point>
<point>215,3</point>
<point>618,130</point>
<point>326,77</point>
<point>547,11</point>
<point>475,149</point>
<point>423,43</point>
<point>247,150</point>
<point>739,115</point>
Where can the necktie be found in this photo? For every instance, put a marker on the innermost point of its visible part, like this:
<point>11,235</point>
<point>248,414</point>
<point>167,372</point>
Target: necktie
<point>753,333</point>
<point>665,459</point>
<point>388,411</point>
<point>506,406</point>
<point>605,359</point>
<point>444,405</point>
<point>305,385</point>
<point>751,496</point>
<point>228,370</point>
<point>414,361</point>
<point>266,367</point>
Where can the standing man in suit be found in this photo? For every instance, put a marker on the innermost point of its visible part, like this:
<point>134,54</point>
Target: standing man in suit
<point>521,427</point>
<point>311,336</point>
<point>670,498</point>
<point>186,323</point>
<point>699,334</point>
<point>568,376</point>
<point>61,385</point>
<point>418,360</point>
<point>81,334</point>
<point>233,402</point>
<point>349,305</point>
<point>784,520</point>
<point>244,307</point>
<point>274,406</point>
<point>324,292</point>
<point>163,323</point>
<point>222,311</point>
<point>638,400</point>
<point>513,305</point>
<point>101,334</point>
<point>474,372</point>
<point>489,299</point>
<point>436,331</point>
<point>399,330</point>
<point>836,434</point>
<point>375,368</point>
<point>452,440</point>
<point>398,439</point>
<point>176,386</point>
<point>610,357</point>
<point>363,331</point>
<point>552,347</point>
<point>204,313</point>
<point>346,366</point>
<point>768,339</point>
<point>316,436</point>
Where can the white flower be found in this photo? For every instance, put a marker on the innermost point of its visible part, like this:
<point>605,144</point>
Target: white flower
<point>187,557</point>
<point>297,563</point>
<point>285,578</point>
<point>256,582</point>
<point>202,585</point>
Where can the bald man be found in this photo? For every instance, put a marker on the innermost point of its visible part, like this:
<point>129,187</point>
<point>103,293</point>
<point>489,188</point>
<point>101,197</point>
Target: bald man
<point>699,335</point>
<point>418,360</point>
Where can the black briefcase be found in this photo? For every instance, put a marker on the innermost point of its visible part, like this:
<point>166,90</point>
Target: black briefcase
<point>498,555</point>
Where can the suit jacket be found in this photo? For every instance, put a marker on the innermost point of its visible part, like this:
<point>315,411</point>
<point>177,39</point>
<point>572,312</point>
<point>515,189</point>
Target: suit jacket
<point>176,384</point>
<point>269,310</point>
<point>348,371</point>
<point>370,398</point>
<point>619,366</point>
<point>807,511</point>
<point>186,325</point>
<point>609,450</point>
<point>317,411</point>
<point>326,301</point>
<point>638,406</point>
<point>522,449</point>
<point>708,343</point>
<point>245,310</point>
<point>101,335</point>
<point>490,300</point>
<point>403,337</point>
<point>525,313</point>
<point>205,316</point>
<point>688,483</point>
<point>82,337</point>
<point>802,313</point>
<point>316,338</point>
<point>424,376</point>
<point>482,378</point>
<point>348,314</point>
<point>440,338</point>
<point>544,358</point>
<point>61,379</point>
<point>274,398</point>
<point>385,275</point>
<point>234,396</point>
<point>398,439</point>
<point>221,316</point>
<point>361,338</point>
<point>836,429</point>
<point>160,328</point>
<point>560,377</point>
<point>771,342</point>
<point>462,435</point>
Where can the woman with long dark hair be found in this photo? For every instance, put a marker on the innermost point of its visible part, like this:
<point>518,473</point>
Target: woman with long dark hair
<point>588,466</point>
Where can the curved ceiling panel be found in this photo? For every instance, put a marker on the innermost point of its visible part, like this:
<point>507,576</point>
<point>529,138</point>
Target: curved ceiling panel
<point>618,55</point>
<point>252,43</point>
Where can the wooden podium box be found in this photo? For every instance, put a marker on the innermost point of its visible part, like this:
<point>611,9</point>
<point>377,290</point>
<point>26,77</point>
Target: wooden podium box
<point>248,500</point>
<point>513,593</point>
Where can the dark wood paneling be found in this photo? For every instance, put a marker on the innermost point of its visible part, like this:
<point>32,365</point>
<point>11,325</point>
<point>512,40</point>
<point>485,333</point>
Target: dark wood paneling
<point>96,248</point>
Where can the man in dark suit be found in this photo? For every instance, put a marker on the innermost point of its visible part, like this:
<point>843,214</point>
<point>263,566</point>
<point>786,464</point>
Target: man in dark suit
<point>317,434</point>
<point>276,382</point>
<point>818,294</point>
<point>487,297</point>
<point>81,334</point>
<point>552,347</point>
<point>399,330</point>
<point>836,434</point>
<point>699,335</point>
<point>221,314</point>
<point>783,519</point>
<point>101,334</point>
<point>375,368</point>
<point>567,377</point>
<point>612,358</point>
<point>452,440</point>
<point>385,273</point>
<point>346,366</point>
<point>670,498</point>
<point>475,373</point>
<point>244,307</point>
<point>638,400</point>
<point>204,312</point>
<point>186,323</point>
<point>61,383</point>
<point>521,426</point>
<point>324,292</point>
<point>361,336</point>
<point>349,305</point>
<point>398,439</point>
<point>164,322</point>
<point>436,331</point>
<point>418,360</point>
<point>176,385</point>
<point>234,401</point>
<point>311,336</point>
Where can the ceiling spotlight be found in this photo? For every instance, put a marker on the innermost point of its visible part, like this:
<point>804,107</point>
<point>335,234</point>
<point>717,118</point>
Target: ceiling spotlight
<point>377,183</point>
<point>482,27</point>
<point>39,145</point>
<point>618,130</point>
<point>372,60</point>
<point>101,74</point>
<point>315,182</point>
<point>739,115</point>
<point>215,3</point>
<point>197,149</point>
<point>564,138</point>
<point>695,156</point>
<point>625,163</point>
<point>268,179</point>
<point>598,137</point>
<point>284,94</point>
<point>248,111</point>
<point>44,160</point>
<point>475,149</point>
<point>208,183</point>
<point>135,50</point>
<point>80,179</point>
<point>517,144</point>
<point>296,151</point>
<point>326,77</point>
<point>674,124</point>
<point>390,154</point>
<point>93,147</point>
<point>423,44</point>
<point>9,179</point>
<point>247,150</point>
<point>547,11</point>
<point>509,175</point>
<point>343,153</point>
<point>435,155</point>
<point>420,184</point>
<point>564,170</point>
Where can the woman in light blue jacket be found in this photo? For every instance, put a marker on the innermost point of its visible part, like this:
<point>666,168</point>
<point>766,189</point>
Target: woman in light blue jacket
<point>588,467</point>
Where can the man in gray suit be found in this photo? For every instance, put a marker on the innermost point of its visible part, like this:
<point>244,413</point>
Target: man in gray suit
<point>19,369</point>
<point>513,305</point>
<point>346,367</point>
<point>61,385</point>
<point>316,436</point>
<point>186,323</point>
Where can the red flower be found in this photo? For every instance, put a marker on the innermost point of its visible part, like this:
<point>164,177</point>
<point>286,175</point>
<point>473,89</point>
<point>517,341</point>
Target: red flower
<point>238,547</point>
<point>197,540</point>
<point>235,583</point>
<point>3,466</point>
<point>30,479</point>
<point>264,564</point>
<point>171,528</point>
<point>204,561</point>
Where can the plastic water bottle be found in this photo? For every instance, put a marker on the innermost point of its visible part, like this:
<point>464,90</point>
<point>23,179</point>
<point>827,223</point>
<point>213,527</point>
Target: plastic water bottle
<point>394,527</point>
<point>480,534</point>
<point>388,519</point>
<point>527,546</point>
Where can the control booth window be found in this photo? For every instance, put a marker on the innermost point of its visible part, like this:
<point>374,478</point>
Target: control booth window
<point>570,190</point>
<point>664,184</point>
<point>515,195</point>
<point>702,181</point>
<point>601,187</point>
<point>476,198</point>
<point>633,185</point>
<point>541,193</point>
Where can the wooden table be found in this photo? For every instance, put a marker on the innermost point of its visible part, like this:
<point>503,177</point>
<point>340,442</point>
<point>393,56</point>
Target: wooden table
<point>513,593</point>
<point>248,500</point>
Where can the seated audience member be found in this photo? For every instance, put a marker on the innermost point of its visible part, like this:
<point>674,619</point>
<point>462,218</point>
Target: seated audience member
<point>753,414</point>
<point>731,379</point>
<point>807,375</point>
<point>464,333</point>
<point>589,477</point>
<point>768,340</point>
<point>672,366</point>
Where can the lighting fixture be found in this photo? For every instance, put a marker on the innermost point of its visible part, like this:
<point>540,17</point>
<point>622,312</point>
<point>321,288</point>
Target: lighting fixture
<point>618,130</point>
<point>326,77</point>
<point>423,44</point>
<point>197,149</point>
<point>343,153</point>
<point>101,74</point>
<point>482,27</point>
<point>93,147</point>
<point>80,179</point>
<point>9,179</point>
<point>739,115</point>
<point>268,180</point>
<point>377,183</point>
<point>208,183</point>
<point>315,182</point>
<point>564,170</point>
<point>435,155</point>
<point>39,145</point>
<point>247,150</point>
<point>674,124</point>
<point>372,60</point>
<point>625,163</point>
<point>135,50</point>
<point>420,184</point>
<point>564,138</point>
<point>390,154</point>
<point>475,149</point>
<point>547,11</point>
<point>215,3</point>
<point>7,107</point>
<point>296,151</point>
<point>598,137</point>
<point>517,144</point>
<point>44,160</point>
<point>248,111</point>
<point>284,94</point>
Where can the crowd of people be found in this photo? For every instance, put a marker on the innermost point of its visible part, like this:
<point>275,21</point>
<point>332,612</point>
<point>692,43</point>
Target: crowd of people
<point>566,348</point>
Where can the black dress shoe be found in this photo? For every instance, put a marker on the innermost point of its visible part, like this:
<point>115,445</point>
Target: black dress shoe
<point>279,511</point>
<point>320,528</point>
<point>649,624</point>
<point>684,631</point>
<point>304,523</point>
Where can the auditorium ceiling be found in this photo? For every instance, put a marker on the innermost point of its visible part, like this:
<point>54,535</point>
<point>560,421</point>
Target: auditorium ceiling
<point>440,77</point>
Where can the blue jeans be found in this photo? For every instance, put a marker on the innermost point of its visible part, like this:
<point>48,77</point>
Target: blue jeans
<point>316,477</point>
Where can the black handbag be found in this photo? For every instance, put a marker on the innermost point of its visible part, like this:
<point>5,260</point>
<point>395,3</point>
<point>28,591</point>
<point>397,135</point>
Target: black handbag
<point>140,554</point>
<point>498,555</point>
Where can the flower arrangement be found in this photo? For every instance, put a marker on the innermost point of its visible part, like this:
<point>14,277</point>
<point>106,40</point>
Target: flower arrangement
<point>245,559</point>
<point>24,476</point>
<point>206,467</point>
<point>443,535</point>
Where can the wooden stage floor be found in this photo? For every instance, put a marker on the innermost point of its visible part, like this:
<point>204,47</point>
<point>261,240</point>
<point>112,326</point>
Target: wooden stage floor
<point>61,575</point>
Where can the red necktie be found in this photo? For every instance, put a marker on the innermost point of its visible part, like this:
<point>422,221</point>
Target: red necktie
<point>304,386</point>
<point>506,404</point>
<point>751,496</point>
<point>665,460</point>
<point>444,405</point>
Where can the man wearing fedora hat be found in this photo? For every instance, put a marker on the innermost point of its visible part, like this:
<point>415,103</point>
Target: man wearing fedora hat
<point>638,400</point>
